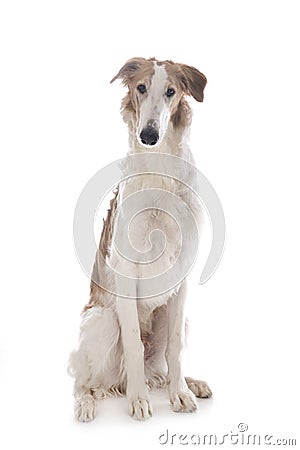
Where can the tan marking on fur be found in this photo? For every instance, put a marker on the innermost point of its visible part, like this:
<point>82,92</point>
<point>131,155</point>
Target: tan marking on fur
<point>190,80</point>
<point>182,116</point>
<point>186,80</point>
<point>96,292</point>
<point>107,229</point>
<point>134,72</point>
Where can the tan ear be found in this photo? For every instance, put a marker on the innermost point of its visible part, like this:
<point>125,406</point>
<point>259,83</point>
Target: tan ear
<point>193,80</point>
<point>129,69</point>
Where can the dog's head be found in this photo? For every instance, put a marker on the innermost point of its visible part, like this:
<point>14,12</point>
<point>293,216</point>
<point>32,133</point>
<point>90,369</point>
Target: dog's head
<point>155,97</point>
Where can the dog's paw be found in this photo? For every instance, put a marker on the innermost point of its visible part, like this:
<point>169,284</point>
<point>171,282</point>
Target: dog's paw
<point>140,408</point>
<point>85,408</point>
<point>199,388</point>
<point>184,401</point>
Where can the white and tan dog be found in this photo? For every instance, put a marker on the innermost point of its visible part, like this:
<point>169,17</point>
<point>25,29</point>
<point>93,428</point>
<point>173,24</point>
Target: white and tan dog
<point>128,345</point>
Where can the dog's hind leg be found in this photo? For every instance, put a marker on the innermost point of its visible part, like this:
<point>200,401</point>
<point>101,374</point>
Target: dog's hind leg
<point>198,387</point>
<point>85,404</point>
<point>97,361</point>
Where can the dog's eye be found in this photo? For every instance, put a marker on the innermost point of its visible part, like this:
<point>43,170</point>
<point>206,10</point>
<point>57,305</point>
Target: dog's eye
<point>170,92</point>
<point>141,88</point>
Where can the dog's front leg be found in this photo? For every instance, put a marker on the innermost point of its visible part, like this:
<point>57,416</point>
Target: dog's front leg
<point>181,397</point>
<point>137,391</point>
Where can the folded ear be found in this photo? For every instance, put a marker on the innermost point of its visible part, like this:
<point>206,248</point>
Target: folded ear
<point>193,81</point>
<point>129,69</point>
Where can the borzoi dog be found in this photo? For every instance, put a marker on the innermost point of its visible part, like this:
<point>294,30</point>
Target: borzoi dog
<point>128,345</point>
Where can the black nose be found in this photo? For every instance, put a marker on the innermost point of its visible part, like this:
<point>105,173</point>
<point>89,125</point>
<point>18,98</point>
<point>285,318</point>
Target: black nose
<point>149,136</point>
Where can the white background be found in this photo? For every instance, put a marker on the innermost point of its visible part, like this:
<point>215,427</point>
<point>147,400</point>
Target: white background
<point>60,123</point>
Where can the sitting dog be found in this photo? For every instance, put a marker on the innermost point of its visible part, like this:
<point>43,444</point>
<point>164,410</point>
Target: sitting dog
<point>133,342</point>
